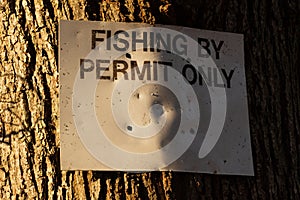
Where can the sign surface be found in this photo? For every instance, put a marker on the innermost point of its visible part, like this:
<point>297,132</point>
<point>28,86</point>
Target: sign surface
<point>136,97</point>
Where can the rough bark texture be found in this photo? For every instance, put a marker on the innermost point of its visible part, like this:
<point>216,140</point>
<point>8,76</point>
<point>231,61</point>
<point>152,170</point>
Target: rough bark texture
<point>29,117</point>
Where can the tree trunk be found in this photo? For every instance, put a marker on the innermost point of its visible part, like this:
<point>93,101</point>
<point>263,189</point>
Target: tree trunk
<point>29,117</point>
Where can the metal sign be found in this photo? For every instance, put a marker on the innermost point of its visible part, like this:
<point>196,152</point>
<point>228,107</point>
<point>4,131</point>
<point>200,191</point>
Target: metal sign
<point>136,97</point>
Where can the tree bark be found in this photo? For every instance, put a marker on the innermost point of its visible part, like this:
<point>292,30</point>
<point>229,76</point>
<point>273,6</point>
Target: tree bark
<point>29,97</point>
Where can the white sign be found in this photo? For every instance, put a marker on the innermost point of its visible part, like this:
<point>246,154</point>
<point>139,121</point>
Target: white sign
<point>136,97</point>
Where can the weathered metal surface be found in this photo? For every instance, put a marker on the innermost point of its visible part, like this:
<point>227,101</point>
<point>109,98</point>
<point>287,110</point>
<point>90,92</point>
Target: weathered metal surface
<point>136,97</point>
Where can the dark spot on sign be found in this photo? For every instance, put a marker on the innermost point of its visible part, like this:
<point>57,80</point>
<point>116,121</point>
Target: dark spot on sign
<point>154,94</point>
<point>225,161</point>
<point>128,55</point>
<point>129,128</point>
